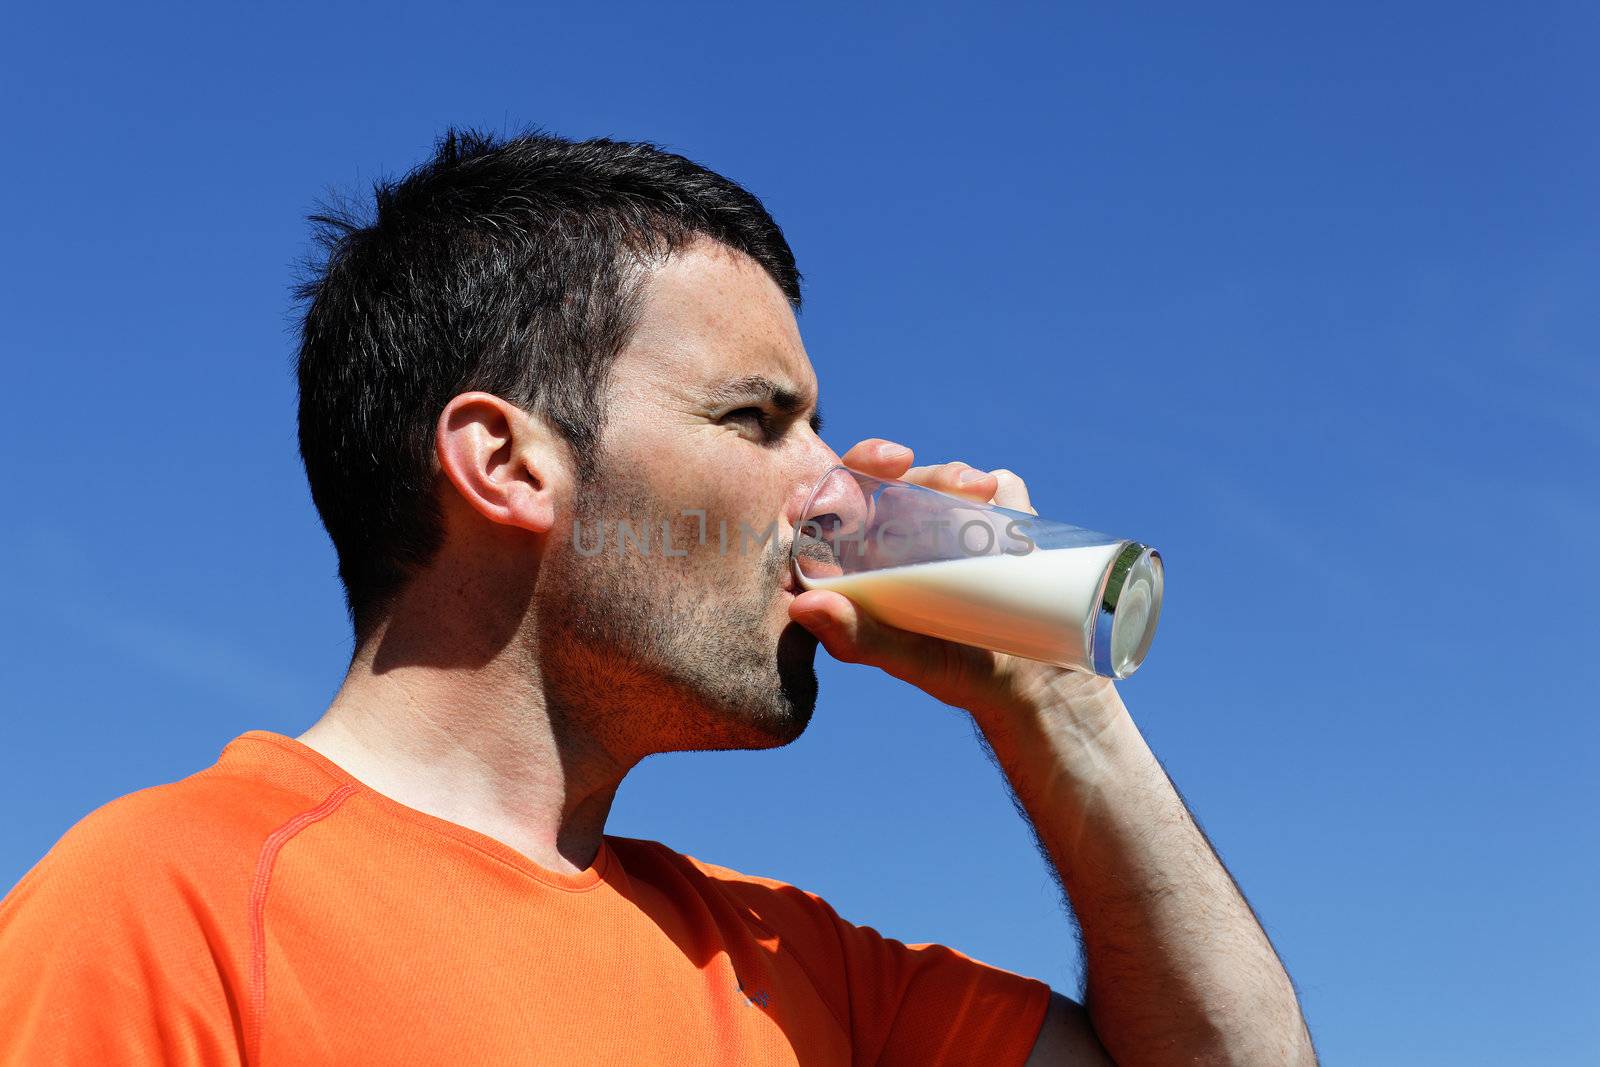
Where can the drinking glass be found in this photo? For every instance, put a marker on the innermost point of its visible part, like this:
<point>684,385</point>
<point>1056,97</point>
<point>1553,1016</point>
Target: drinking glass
<point>981,574</point>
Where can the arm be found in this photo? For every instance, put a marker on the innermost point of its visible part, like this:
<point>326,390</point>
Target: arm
<point>1178,968</point>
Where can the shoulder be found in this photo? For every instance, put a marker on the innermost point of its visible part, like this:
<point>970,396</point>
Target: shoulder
<point>198,836</point>
<point>896,997</point>
<point>147,897</point>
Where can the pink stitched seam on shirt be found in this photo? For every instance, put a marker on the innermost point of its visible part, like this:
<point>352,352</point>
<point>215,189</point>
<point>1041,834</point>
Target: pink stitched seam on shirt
<point>258,923</point>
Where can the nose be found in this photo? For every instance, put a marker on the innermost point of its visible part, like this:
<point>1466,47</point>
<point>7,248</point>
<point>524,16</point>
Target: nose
<point>834,518</point>
<point>835,499</point>
<point>808,463</point>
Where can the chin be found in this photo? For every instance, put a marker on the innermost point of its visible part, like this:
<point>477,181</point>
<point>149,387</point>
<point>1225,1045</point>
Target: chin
<point>797,663</point>
<point>773,723</point>
<point>773,712</point>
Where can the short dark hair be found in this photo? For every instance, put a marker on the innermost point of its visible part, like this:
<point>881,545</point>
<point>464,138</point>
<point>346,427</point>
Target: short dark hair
<point>503,265</point>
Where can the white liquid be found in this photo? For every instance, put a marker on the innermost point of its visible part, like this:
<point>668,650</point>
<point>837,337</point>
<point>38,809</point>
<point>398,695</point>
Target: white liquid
<point>1040,606</point>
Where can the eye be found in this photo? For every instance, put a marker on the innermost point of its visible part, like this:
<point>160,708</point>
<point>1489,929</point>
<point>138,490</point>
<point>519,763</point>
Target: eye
<point>754,417</point>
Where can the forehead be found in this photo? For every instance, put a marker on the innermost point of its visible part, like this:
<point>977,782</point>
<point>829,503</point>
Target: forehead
<point>706,316</point>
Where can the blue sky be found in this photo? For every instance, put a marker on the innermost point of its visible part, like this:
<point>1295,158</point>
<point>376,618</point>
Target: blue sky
<point>1304,298</point>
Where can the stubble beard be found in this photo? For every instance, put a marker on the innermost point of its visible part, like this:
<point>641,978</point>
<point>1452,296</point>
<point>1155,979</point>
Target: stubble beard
<point>656,653</point>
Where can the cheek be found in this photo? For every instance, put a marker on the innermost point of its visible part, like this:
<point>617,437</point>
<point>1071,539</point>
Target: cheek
<point>719,546</point>
<point>710,495</point>
<point>685,469</point>
<point>729,501</point>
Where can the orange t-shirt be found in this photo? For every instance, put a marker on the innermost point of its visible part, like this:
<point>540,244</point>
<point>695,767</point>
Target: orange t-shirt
<point>273,910</point>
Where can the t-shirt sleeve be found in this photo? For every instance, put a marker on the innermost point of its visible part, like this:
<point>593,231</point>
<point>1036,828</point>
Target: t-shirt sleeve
<point>932,1004</point>
<point>103,960</point>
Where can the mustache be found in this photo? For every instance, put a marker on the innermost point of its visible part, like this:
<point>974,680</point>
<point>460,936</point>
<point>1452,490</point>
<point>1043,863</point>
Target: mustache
<point>776,563</point>
<point>809,546</point>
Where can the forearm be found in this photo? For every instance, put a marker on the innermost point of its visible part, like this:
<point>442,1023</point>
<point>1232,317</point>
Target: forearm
<point>1178,969</point>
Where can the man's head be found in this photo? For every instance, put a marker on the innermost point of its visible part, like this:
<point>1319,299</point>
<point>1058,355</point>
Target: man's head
<point>532,341</point>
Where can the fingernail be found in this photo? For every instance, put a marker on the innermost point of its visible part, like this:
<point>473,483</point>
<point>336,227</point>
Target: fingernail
<point>971,475</point>
<point>892,451</point>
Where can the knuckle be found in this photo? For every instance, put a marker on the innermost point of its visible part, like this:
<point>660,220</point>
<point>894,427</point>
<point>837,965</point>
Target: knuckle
<point>844,653</point>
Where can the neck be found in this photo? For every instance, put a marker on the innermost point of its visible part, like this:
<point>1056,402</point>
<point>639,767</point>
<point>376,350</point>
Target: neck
<point>473,741</point>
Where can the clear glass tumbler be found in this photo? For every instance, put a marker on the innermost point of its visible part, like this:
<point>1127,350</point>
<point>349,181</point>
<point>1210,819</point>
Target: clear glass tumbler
<point>980,574</point>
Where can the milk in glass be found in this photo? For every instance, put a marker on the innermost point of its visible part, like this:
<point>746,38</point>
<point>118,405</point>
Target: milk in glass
<point>1040,605</point>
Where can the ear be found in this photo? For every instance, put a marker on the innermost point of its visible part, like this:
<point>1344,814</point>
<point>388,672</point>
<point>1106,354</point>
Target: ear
<point>507,465</point>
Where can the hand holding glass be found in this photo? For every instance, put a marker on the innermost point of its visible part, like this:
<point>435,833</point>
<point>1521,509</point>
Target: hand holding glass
<point>981,574</point>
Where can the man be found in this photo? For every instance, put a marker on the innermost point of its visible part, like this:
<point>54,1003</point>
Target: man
<point>531,339</point>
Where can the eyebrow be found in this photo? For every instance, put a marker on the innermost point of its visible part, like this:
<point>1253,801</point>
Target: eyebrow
<point>761,388</point>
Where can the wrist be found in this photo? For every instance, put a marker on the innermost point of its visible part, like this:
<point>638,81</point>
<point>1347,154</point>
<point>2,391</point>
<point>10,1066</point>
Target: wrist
<point>1061,728</point>
<point>1054,696</point>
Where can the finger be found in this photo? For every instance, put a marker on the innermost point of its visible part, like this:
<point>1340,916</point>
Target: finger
<point>879,457</point>
<point>943,669</point>
<point>957,478</point>
<point>852,636</point>
<point>1013,491</point>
